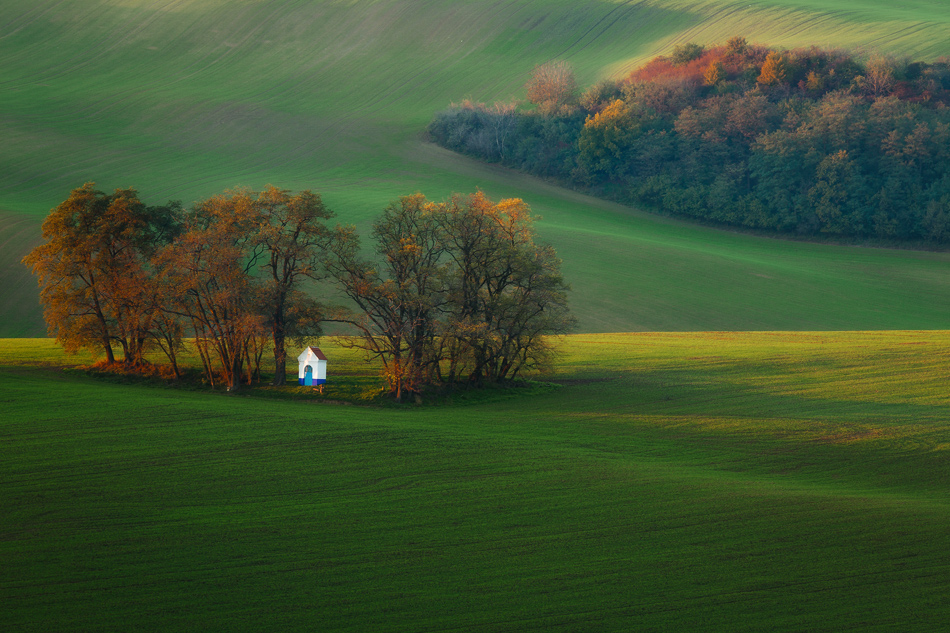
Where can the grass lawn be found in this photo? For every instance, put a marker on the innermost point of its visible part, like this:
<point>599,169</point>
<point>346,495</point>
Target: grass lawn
<point>708,481</point>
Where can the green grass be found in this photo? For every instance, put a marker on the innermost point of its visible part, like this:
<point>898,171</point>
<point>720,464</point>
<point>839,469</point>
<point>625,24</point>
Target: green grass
<point>186,98</point>
<point>671,482</point>
<point>718,481</point>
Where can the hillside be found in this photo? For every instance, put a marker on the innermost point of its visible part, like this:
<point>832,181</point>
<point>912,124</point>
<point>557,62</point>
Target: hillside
<point>185,98</point>
<point>672,482</point>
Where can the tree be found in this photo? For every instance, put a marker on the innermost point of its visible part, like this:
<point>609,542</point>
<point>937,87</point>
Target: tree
<point>95,283</point>
<point>553,88</point>
<point>774,70</point>
<point>601,94</point>
<point>505,293</point>
<point>736,46</point>
<point>208,270</point>
<point>879,75</point>
<point>685,53</point>
<point>292,237</point>
<point>605,141</point>
<point>398,301</point>
<point>714,73</point>
<point>462,293</point>
<point>837,194</point>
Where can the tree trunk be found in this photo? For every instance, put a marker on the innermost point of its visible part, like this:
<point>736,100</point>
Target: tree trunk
<point>280,352</point>
<point>107,346</point>
<point>234,380</point>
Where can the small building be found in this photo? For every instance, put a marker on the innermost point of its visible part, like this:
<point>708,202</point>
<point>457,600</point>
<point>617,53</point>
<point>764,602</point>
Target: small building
<point>312,367</point>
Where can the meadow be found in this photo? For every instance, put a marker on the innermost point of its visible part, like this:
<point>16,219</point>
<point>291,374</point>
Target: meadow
<point>717,481</point>
<point>184,99</point>
<point>659,480</point>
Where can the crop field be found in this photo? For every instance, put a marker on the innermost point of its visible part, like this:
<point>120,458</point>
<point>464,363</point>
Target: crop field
<point>186,98</point>
<point>718,481</point>
<point>766,448</point>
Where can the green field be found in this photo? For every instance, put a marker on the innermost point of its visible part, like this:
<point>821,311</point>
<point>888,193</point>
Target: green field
<point>672,482</point>
<point>657,481</point>
<point>186,98</point>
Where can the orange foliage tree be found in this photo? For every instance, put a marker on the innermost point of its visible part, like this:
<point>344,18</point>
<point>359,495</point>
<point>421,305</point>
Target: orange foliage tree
<point>462,293</point>
<point>774,70</point>
<point>207,273</point>
<point>506,295</point>
<point>93,271</point>
<point>606,137</point>
<point>553,88</point>
<point>397,301</point>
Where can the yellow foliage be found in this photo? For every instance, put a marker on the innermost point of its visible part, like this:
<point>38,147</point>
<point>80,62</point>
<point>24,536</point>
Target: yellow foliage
<point>774,70</point>
<point>714,73</point>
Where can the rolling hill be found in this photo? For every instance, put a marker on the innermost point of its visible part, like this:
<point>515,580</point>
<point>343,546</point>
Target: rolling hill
<point>185,98</point>
<point>672,482</point>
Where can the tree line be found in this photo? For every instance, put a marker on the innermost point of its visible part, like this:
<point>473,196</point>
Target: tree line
<point>804,142</point>
<point>455,292</point>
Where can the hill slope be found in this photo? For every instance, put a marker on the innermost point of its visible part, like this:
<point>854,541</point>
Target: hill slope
<point>675,482</point>
<point>185,98</point>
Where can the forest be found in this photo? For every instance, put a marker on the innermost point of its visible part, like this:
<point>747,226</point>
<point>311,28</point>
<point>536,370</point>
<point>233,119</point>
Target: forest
<point>459,292</point>
<point>806,142</point>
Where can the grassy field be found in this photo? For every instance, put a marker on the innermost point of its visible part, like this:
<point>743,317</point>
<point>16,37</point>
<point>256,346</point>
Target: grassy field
<point>718,481</point>
<point>660,481</point>
<point>186,98</point>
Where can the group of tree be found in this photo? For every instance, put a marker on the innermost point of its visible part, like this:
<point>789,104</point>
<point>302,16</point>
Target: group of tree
<point>459,292</point>
<point>462,291</point>
<point>115,272</point>
<point>806,142</point>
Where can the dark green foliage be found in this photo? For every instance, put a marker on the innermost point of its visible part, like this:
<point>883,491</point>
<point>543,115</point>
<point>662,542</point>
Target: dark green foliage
<point>683,54</point>
<point>809,142</point>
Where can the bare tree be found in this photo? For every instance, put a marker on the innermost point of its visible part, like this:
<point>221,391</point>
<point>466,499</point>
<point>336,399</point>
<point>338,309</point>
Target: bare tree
<point>553,88</point>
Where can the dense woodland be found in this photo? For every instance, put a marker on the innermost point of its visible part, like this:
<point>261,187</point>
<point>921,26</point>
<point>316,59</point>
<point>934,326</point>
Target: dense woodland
<point>458,292</point>
<point>806,142</point>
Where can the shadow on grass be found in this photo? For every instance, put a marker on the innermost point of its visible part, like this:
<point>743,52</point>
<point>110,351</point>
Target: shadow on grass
<point>361,389</point>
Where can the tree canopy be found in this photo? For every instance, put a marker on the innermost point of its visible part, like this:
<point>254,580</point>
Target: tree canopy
<point>802,142</point>
<point>94,270</point>
<point>459,291</point>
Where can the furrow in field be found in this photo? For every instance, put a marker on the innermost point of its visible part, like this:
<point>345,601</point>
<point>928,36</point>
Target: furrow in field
<point>32,15</point>
<point>609,18</point>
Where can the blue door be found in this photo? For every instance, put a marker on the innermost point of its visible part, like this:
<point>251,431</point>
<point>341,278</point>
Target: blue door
<point>308,376</point>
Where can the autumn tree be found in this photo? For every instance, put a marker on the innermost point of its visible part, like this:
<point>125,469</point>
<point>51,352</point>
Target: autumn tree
<point>461,292</point>
<point>714,73</point>
<point>505,292</point>
<point>398,299</point>
<point>208,271</point>
<point>879,75</point>
<point>292,237</point>
<point>774,70</point>
<point>606,138</point>
<point>95,282</point>
<point>553,88</point>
